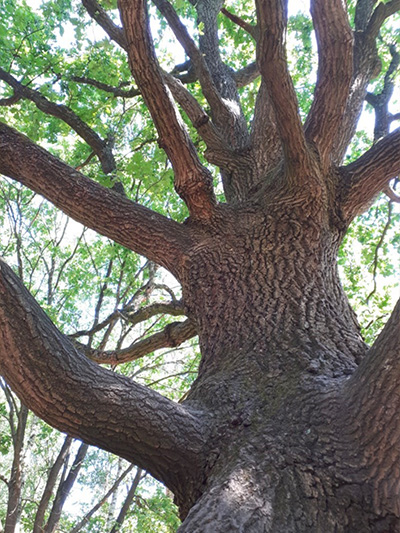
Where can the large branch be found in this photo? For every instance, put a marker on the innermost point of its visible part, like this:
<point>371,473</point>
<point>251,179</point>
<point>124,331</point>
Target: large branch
<point>193,181</point>
<point>372,398</point>
<point>132,225</point>
<point>366,177</point>
<point>216,80</point>
<point>271,57</point>
<point>335,69</point>
<point>102,148</point>
<point>75,395</point>
<point>367,66</point>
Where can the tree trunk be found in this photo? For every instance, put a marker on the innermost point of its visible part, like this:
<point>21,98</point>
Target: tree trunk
<point>279,342</point>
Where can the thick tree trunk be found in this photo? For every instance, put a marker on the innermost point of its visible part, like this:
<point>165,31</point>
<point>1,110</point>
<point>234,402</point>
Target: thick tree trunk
<point>279,342</point>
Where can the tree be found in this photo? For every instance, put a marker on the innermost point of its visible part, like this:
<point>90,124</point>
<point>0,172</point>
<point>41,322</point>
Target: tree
<point>292,423</point>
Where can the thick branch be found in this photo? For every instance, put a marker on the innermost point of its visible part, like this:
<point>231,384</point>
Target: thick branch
<point>198,117</point>
<point>193,181</point>
<point>77,396</point>
<point>130,224</point>
<point>335,69</point>
<point>364,179</point>
<point>372,396</point>
<point>171,336</point>
<point>367,66</point>
<point>100,147</point>
<point>381,13</point>
<point>265,141</point>
<point>271,57</point>
<point>221,95</point>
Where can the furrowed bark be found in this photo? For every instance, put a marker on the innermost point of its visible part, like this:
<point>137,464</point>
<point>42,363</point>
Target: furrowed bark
<point>193,182</point>
<point>89,402</point>
<point>335,68</point>
<point>265,141</point>
<point>364,179</point>
<point>271,57</point>
<point>102,148</point>
<point>132,225</point>
<point>372,397</point>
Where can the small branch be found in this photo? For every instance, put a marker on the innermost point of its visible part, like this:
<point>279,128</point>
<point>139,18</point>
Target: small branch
<point>11,100</point>
<point>246,75</point>
<point>366,177</point>
<point>392,194</point>
<point>193,182</point>
<point>171,336</point>
<point>116,91</point>
<point>223,114</point>
<point>380,102</point>
<point>101,17</point>
<point>101,147</point>
<point>103,500</point>
<point>4,479</point>
<point>378,247</point>
<point>335,69</point>
<point>271,58</point>
<point>128,501</point>
<point>249,28</point>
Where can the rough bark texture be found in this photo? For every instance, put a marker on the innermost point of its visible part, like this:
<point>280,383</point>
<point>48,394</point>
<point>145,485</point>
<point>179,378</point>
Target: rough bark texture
<point>292,424</point>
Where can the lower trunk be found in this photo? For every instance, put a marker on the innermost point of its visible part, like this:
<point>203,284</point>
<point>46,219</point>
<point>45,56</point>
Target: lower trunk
<point>279,343</point>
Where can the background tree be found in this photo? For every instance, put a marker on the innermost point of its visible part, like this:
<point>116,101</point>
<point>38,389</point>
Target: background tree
<point>291,423</point>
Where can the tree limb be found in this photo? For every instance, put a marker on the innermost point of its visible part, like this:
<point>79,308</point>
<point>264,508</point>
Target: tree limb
<point>366,177</point>
<point>116,91</point>
<point>372,399</point>
<point>381,13</point>
<point>193,182</point>
<point>103,500</point>
<point>271,58</point>
<point>50,484</point>
<point>198,117</point>
<point>100,407</point>
<point>335,69</point>
<point>367,66</point>
<point>171,336</point>
<point>225,115</point>
<point>102,18</point>
<point>132,225</point>
<point>249,28</point>
<point>101,147</point>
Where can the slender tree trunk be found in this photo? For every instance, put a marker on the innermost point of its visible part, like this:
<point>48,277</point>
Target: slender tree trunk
<point>16,479</point>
